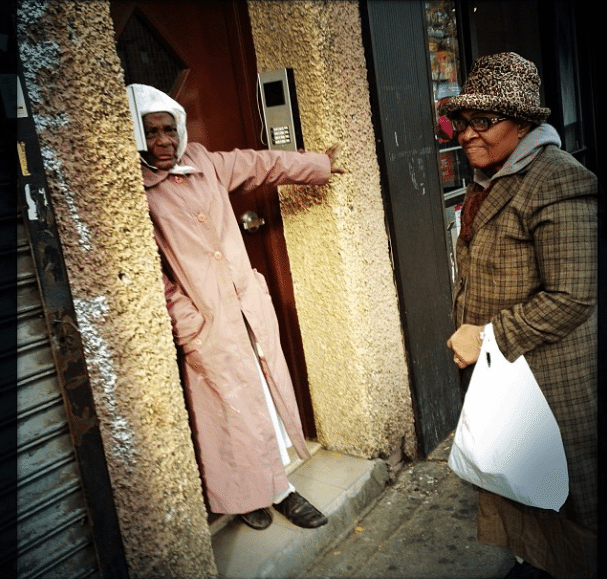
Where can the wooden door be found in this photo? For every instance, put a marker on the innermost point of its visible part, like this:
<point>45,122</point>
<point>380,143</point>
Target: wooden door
<point>202,54</point>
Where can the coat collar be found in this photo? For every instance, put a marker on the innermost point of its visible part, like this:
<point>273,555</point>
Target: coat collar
<point>153,176</point>
<point>500,194</point>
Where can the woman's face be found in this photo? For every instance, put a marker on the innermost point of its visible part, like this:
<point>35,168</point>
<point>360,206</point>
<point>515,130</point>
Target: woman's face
<point>162,140</point>
<point>489,150</point>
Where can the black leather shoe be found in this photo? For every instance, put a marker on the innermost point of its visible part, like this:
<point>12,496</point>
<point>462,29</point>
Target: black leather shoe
<point>526,571</point>
<point>258,519</point>
<point>300,512</point>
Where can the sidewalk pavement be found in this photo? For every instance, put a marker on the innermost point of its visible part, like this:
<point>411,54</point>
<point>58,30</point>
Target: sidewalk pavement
<point>422,526</point>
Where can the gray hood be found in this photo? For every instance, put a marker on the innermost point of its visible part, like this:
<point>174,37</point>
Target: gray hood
<point>527,150</point>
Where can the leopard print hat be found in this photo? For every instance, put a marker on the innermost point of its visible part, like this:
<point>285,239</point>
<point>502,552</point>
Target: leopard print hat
<point>503,83</point>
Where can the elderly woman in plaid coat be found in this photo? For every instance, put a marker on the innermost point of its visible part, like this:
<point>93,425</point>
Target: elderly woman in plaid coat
<point>527,264</point>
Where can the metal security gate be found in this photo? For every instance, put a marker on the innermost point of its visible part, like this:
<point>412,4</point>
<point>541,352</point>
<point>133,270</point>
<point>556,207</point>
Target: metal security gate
<point>57,514</point>
<point>53,531</point>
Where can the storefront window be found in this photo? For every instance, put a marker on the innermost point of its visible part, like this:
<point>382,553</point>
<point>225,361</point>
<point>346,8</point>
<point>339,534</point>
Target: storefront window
<point>446,83</point>
<point>443,48</point>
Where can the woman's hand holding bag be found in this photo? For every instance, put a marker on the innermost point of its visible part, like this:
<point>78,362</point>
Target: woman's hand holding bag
<point>507,440</point>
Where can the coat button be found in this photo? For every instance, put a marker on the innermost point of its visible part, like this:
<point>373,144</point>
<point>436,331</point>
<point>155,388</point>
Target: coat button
<point>202,217</point>
<point>178,179</point>
<point>218,255</point>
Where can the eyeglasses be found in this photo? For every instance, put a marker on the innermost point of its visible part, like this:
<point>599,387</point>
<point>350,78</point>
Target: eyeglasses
<point>478,124</point>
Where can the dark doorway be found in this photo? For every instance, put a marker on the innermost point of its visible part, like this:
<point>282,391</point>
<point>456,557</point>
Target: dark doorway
<point>202,54</point>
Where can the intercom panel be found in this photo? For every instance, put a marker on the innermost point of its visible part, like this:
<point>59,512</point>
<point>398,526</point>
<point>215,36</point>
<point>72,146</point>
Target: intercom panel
<point>280,112</point>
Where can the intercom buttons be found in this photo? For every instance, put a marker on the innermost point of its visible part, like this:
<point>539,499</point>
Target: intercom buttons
<point>280,135</point>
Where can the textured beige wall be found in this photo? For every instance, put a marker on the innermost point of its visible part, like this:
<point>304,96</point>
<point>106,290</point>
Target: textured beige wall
<point>76,83</point>
<point>338,246</point>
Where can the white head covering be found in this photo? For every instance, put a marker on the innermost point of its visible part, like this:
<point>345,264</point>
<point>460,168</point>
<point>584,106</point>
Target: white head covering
<point>151,100</point>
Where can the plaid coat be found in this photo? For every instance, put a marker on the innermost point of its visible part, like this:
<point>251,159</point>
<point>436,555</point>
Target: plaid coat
<point>531,269</point>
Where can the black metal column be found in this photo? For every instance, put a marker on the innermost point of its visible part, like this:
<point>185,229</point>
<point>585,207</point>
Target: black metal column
<point>403,109</point>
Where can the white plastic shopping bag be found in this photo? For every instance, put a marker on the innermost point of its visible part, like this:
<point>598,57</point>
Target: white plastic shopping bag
<point>507,440</point>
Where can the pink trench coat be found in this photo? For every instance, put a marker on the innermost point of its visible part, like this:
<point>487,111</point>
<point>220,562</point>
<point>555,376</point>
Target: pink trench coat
<point>209,285</point>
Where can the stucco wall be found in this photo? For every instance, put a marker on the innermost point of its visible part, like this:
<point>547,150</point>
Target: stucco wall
<point>74,78</point>
<point>336,237</point>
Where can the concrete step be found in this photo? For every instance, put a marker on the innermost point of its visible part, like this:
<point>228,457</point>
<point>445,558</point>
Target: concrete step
<point>424,526</point>
<point>343,487</point>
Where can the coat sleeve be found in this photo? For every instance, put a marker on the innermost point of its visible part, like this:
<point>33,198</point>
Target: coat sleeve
<point>564,225</point>
<point>187,321</point>
<point>247,169</point>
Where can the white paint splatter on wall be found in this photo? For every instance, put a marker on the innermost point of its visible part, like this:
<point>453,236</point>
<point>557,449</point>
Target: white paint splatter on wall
<point>52,162</point>
<point>90,314</point>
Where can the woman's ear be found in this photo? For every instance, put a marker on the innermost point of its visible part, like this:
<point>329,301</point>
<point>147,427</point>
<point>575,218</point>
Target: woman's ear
<point>524,127</point>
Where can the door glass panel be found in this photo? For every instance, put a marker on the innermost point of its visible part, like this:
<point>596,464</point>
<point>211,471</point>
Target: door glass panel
<point>145,59</point>
<point>446,81</point>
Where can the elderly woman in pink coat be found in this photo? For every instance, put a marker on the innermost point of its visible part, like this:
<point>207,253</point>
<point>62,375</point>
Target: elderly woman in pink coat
<point>237,385</point>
